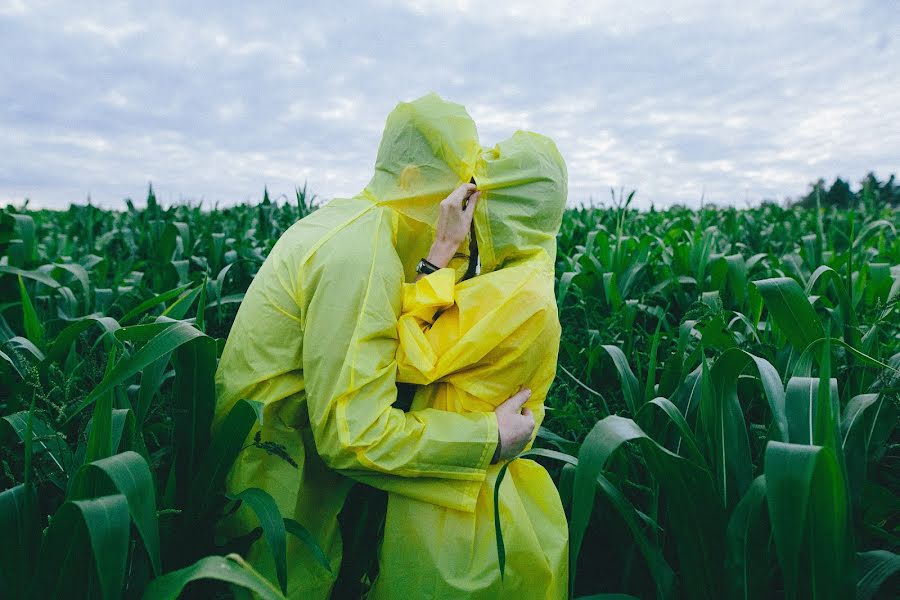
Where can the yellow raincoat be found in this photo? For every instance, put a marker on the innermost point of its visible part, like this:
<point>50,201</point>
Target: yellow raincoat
<point>315,340</point>
<point>494,333</point>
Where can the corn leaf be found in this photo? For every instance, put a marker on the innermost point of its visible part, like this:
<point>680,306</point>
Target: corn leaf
<point>226,444</point>
<point>44,439</point>
<point>869,420</point>
<point>20,531</point>
<point>808,508</point>
<point>874,568</point>
<point>697,522</point>
<point>38,276</point>
<point>662,573</point>
<point>747,556</point>
<point>156,300</point>
<point>303,534</point>
<point>630,387</point>
<point>127,474</point>
<point>161,344</point>
<point>99,443</point>
<point>722,430</point>
<point>34,331</point>
<point>272,523</point>
<point>63,342</point>
<point>801,403</point>
<point>790,310</point>
<point>230,569</point>
<point>195,402</point>
<point>84,550</point>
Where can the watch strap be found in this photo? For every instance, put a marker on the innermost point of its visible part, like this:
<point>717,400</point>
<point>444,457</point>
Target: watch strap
<point>426,267</point>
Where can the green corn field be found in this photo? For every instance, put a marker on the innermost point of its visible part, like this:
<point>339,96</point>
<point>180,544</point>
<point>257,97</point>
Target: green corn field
<point>722,425</point>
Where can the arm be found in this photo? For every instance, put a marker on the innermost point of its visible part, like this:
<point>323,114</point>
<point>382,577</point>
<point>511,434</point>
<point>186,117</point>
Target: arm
<point>417,358</point>
<point>495,321</point>
<point>496,332</point>
<point>349,348</point>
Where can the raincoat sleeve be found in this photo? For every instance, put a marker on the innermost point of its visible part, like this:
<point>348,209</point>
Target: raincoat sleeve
<point>508,334</point>
<point>349,364</point>
<point>423,301</point>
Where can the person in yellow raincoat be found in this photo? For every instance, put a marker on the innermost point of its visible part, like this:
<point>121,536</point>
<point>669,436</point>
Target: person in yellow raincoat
<point>315,341</point>
<point>491,333</point>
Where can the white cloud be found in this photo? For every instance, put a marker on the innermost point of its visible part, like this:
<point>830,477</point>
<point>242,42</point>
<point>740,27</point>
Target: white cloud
<point>116,99</point>
<point>620,18</point>
<point>109,33</point>
<point>214,101</point>
<point>13,8</point>
<point>231,110</point>
<point>340,109</point>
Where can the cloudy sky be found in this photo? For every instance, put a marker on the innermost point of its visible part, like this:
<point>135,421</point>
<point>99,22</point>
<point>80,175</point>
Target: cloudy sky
<point>212,101</point>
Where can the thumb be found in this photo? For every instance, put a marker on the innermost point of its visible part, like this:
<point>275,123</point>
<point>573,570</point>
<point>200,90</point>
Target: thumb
<point>516,401</point>
<point>471,201</point>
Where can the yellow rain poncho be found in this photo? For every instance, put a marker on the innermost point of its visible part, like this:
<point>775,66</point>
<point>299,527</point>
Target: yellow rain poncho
<point>315,341</point>
<point>494,333</point>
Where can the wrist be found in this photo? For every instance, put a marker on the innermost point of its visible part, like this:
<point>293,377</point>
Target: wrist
<point>441,253</point>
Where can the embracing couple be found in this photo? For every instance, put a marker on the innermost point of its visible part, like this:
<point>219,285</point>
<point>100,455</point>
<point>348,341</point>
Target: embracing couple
<point>390,287</point>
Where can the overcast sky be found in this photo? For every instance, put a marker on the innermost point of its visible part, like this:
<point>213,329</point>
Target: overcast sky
<point>210,101</point>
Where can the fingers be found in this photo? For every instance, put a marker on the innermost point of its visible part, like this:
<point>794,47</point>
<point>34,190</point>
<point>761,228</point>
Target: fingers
<point>471,201</point>
<point>460,194</point>
<point>467,188</point>
<point>515,424</point>
<point>516,401</point>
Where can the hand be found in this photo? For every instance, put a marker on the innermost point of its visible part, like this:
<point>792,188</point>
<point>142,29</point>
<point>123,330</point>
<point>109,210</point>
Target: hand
<point>453,224</point>
<point>515,425</point>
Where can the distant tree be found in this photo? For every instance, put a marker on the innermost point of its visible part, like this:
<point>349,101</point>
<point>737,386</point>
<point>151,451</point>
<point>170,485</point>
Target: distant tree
<point>887,192</point>
<point>840,195</point>
<point>872,194</point>
<point>815,189</point>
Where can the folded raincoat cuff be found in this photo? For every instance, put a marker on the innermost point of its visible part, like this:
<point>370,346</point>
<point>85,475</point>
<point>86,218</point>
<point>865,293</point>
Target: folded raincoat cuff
<point>430,294</point>
<point>492,438</point>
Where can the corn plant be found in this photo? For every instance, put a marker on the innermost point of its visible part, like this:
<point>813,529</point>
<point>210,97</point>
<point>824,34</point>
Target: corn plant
<point>751,452</point>
<point>113,486</point>
<point>723,424</point>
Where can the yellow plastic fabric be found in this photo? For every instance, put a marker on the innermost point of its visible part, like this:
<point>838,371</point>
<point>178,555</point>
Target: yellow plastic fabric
<point>315,341</point>
<point>494,333</point>
<point>316,338</point>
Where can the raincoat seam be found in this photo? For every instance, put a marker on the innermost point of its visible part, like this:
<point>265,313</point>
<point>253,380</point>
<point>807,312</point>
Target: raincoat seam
<point>287,289</point>
<point>314,249</point>
<point>278,307</point>
<point>326,237</point>
<point>488,236</point>
<point>435,470</point>
<point>351,385</point>
<point>489,448</point>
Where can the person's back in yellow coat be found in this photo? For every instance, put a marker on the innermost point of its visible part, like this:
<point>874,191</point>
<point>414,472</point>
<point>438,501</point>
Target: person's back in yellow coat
<point>467,345</point>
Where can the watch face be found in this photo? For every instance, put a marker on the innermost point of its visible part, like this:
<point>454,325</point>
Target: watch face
<point>424,267</point>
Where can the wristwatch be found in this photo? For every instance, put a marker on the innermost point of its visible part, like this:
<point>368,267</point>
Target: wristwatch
<point>426,267</point>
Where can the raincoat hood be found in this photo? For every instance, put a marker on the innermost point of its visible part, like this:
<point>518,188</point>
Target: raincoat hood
<point>524,186</point>
<point>430,147</point>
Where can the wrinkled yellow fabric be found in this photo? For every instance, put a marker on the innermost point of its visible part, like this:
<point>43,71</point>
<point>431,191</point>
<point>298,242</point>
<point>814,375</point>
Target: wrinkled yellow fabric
<point>494,333</point>
<point>315,341</point>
